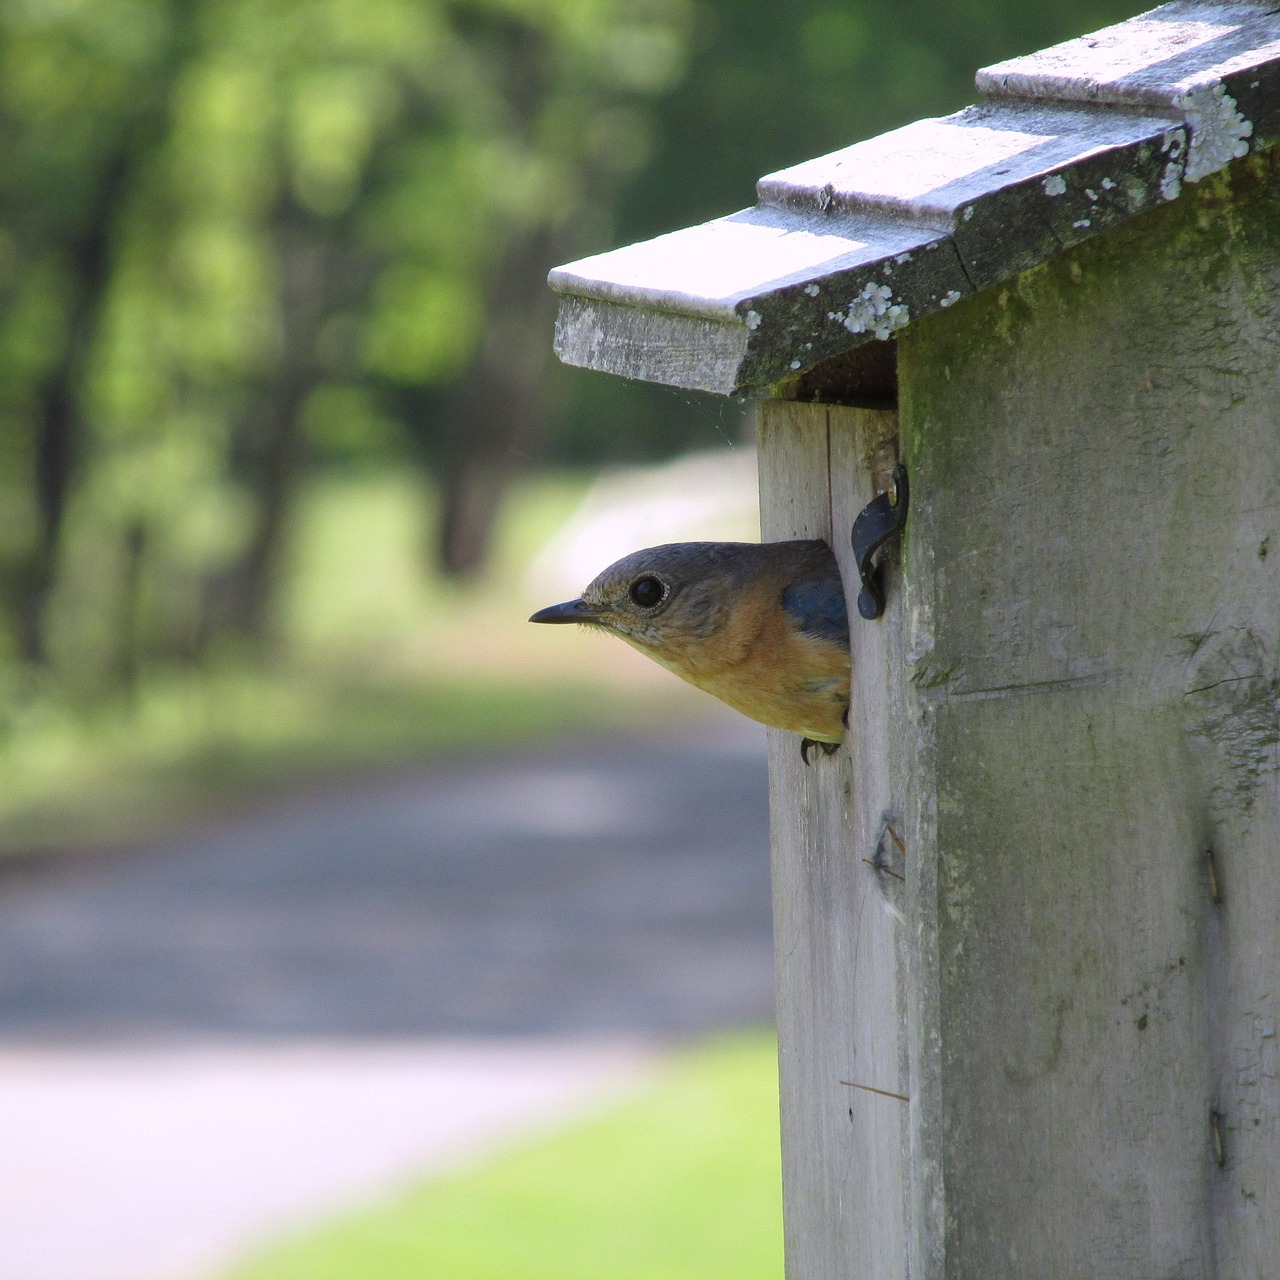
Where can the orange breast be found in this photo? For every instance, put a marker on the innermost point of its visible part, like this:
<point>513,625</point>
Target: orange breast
<point>761,666</point>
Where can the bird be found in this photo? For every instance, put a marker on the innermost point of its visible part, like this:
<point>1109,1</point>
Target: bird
<point>761,626</point>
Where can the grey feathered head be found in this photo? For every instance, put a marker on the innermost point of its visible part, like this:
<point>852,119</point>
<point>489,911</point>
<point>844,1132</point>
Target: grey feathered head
<point>679,588</point>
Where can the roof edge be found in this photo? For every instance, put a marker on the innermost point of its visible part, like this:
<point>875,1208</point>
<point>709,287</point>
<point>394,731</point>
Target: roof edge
<point>851,247</point>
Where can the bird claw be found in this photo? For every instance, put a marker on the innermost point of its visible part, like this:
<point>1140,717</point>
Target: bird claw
<point>807,744</point>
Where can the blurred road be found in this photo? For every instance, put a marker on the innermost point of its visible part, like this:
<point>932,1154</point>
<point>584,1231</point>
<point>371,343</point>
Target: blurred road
<point>618,887</point>
<point>316,995</point>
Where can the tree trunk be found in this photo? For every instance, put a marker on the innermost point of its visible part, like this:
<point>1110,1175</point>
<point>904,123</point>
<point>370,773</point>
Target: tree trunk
<point>59,426</point>
<point>497,416</point>
<point>60,429</point>
<point>239,599</point>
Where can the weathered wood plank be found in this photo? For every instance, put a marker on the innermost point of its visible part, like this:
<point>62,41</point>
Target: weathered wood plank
<point>852,247</point>
<point>1214,65</point>
<point>1093,642</point>
<point>838,921</point>
<point>698,353</point>
<point>1073,694</point>
<point>1012,184</point>
<point>726,290</point>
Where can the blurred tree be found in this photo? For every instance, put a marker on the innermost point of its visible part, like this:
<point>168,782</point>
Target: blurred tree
<point>431,166</point>
<point>240,236</point>
<point>84,94</point>
<point>278,214</point>
<point>544,120</point>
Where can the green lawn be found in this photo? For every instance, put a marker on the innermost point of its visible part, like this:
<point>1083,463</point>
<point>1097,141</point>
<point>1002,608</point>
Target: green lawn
<point>681,1183</point>
<point>188,747</point>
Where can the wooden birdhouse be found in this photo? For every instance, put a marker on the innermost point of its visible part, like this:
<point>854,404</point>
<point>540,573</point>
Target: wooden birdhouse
<point>1028,918</point>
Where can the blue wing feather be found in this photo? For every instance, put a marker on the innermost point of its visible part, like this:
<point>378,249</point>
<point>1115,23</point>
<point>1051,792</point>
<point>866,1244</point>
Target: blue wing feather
<point>817,605</point>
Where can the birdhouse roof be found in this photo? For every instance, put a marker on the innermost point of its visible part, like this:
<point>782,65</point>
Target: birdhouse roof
<point>847,249</point>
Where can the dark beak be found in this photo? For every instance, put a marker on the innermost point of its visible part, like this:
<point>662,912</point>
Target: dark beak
<point>570,611</point>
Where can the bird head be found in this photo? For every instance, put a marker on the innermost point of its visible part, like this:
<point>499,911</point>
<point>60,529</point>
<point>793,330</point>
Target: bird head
<point>762,626</point>
<point>663,595</point>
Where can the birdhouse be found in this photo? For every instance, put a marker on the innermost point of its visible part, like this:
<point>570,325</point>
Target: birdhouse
<point>1028,916</point>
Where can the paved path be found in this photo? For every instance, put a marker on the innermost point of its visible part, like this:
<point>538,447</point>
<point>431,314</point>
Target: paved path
<point>167,1163</point>
<point>203,1042</point>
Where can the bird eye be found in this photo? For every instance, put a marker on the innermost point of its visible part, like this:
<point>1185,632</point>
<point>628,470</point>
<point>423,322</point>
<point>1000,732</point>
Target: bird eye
<point>647,592</point>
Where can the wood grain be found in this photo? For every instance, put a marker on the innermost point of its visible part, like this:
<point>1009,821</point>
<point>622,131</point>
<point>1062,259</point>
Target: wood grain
<point>1093,657</point>
<point>838,921</point>
<point>1073,694</point>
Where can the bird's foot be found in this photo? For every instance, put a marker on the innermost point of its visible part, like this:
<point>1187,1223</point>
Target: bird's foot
<point>807,744</point>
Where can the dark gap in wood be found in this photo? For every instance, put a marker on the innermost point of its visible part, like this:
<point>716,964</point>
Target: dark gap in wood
<point>880,448</point>
<point>864,378</point>
<point>831,510</point>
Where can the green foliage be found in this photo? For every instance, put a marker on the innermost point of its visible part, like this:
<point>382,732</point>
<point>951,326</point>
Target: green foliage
<point>245,240</point>
<point>386,663</point>
<point>681,1184</point>
<point>236,235</point>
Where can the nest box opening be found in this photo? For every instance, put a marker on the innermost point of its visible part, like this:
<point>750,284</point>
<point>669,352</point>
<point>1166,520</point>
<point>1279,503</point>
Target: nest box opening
<point>865,377</point>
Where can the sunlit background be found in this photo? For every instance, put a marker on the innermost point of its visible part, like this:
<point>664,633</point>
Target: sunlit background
<point>350,927</point>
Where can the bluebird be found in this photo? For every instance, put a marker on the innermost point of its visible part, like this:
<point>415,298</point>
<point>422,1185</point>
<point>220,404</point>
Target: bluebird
<point>762,626</point>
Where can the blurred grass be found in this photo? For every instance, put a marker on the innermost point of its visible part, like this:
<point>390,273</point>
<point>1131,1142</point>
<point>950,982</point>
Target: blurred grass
<point>682,1183</point>
<point>376,661</point>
